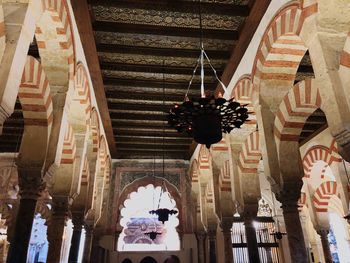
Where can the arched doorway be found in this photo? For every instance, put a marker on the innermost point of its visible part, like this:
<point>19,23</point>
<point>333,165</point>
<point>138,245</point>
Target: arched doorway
<point>148,260</point>
<point>172,259</point>
<point>138,223</point>
<point>126,261</point>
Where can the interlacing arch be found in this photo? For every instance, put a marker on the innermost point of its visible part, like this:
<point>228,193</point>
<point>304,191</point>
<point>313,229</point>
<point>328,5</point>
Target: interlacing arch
<point>69,146</point>
<point>299,103</point>
<point>2,32</point>
<point>250,155</point>
<point>322,195</point>
<point>57,51</point>
<point>34,94</point>
<point>318,153</point>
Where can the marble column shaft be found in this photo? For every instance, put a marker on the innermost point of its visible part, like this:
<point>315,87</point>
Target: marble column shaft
<point>89,233</point>
<point>226,226</point>
<point>201,239</point>
<point>30,185</point>
<point>212,245</point>
<point>78,221</point>
<point>56,229</point>
<point>252,243</point>
<point>325,245</point>
<point>294,230</point>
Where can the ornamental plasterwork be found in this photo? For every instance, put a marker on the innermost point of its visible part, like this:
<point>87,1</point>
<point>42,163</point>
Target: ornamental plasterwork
<point>153,76</point>
<point>143,40</point>
<point>165,18</point>
<point>129,177</point>
<point>154,60</point>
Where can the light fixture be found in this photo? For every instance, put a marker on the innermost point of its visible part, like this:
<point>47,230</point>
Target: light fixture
<point>163,213</point>
<point>207,117</point>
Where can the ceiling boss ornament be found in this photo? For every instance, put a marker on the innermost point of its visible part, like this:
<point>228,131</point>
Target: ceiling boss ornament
<point>206,118</point>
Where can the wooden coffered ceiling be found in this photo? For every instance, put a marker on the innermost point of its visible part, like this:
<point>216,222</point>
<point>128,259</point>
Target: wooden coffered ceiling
<point>129,44</point>
<point>147,51</point>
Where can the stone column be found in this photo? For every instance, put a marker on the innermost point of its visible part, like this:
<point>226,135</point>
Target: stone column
<point>56,228</point>
<point>226,226</point>
<point>78,221</point>
<point>201,239</point>
<point>30,185</point>
<point>89,233</point>
<point>325,245</point>
<point>252,243</point>
<point>212,245</point>
<point>289,200</point>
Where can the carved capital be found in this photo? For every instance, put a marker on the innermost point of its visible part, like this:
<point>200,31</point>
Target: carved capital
<point>226,224</point>
<point>60,206</point>
<point>201,235</point>
<point>78,219</point>
<point>289,196</point>
<point>30,181</point>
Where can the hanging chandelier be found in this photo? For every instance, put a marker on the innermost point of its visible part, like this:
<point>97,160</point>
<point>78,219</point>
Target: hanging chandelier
<point>163,213</point>
<point>206,118</point>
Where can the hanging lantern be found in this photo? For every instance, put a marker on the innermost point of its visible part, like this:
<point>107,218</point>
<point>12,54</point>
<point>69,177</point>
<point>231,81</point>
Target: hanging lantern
<point>163,213</point>
<point>206,118</point>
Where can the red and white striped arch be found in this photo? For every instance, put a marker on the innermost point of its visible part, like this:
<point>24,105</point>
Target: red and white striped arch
<point>85,175</point>
<point>281,48</point>
<point>102,156</point>
<point>194,172</point>
<point>221,146</point>
<point>2,32</point>
<point>82,91</point>
<point>299,103</point>
<point>250,155</point>
<point>95,129</point>
<point>209,193</point>
<point>322,195</point>
<point>301,201</point>
<point>204,158</point>
<point>318,153</point>
<point>63,40</point>
<point>34,95</point>
<point>243,93</point>
<point>225,177</point>
<point>69,146</point>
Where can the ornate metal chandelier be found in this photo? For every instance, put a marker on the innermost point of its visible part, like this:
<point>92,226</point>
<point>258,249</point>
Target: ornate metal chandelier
<point>206,118</point>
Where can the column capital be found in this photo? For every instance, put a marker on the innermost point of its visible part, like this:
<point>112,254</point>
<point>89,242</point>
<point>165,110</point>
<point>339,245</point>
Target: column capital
<point>78,218</point>
<point>201,235</point>
<point>60,206</point>
<point>322,231</point>
<point>289,196</point>
<point>30,181</point>
<point>226,224</point>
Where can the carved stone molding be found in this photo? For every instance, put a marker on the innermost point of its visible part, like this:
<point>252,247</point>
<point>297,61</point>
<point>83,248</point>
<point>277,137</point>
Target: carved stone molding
<point>30,181</point>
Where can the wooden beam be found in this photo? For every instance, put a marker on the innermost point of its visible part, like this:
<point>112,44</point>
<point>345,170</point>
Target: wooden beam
<point>179,6</point>
<point>82,17</point>
<point>159,51</point>
<point>247,32</point>
<point>107,26</point>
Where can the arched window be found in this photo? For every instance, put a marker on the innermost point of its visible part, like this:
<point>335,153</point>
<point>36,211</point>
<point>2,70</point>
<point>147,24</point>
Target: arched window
<point>137,222</point>
<point>148,260</point>
<point>126,261</point>
<point>172,259</point>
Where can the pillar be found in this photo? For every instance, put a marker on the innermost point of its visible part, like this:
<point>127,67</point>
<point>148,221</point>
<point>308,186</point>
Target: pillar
<point>212,245</point>
<point>201,239</point>
<point>226,226</point>
<point>289,200</point>
<point>56,228</point>
<point>89,233</point>
<point>78,221</point>
<point>323,233</point>
<point>252,243</point>
<point>30,185</point>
